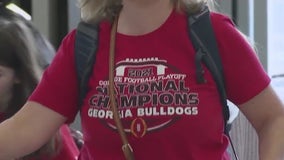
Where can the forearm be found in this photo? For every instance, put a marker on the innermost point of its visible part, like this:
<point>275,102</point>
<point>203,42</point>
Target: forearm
<point>12,143</point>
<point>28,130</point>
<point>271,140</point>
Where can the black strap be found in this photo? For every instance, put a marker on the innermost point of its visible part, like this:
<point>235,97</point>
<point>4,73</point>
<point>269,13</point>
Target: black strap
<point>205,44</point>
<point>86,43</point>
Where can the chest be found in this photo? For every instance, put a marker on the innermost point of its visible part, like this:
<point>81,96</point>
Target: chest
<point>155,84</point>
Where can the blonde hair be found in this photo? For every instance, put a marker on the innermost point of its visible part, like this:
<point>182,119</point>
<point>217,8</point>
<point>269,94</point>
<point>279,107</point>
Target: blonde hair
<point>93,11</point>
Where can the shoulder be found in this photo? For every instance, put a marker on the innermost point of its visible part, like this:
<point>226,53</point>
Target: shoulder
<point>70,37</point>
<point>222,23</point>
<point>68,42</point>
<point>225,29</point>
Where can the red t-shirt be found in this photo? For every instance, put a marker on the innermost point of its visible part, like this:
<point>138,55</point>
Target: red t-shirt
<point>165,113</point>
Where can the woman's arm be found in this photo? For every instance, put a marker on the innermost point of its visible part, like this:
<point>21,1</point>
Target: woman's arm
<point>266,113</point>
<point>28,130</point>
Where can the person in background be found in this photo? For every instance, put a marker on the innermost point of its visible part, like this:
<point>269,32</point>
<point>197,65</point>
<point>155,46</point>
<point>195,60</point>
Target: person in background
<point>24,54</point>
<point>157,124</point>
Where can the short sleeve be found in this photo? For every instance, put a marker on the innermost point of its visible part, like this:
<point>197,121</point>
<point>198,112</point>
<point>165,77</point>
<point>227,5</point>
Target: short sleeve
<point>58,88</point>
<point>244,75</point>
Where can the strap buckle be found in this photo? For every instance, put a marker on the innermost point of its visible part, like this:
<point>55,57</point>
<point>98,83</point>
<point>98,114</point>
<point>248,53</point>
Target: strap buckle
<point>125,146</point>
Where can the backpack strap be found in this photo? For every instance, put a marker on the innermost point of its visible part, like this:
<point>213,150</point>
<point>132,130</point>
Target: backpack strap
<point>86,44</point>
<point>205,44</point>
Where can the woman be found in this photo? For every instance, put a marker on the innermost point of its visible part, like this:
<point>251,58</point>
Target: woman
<point>24,54</point>
<point>157,125</point>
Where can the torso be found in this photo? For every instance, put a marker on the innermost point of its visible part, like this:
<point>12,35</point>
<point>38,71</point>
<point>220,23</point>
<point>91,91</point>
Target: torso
<point>158,98</point>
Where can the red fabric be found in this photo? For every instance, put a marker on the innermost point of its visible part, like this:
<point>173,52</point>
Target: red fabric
<point>166,113</point>
<point>244,74</point>
<point>2,117</point>
<point>69,150</point>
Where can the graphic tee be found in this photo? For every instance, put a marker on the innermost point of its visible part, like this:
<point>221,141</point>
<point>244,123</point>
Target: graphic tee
<point>165,113</point>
